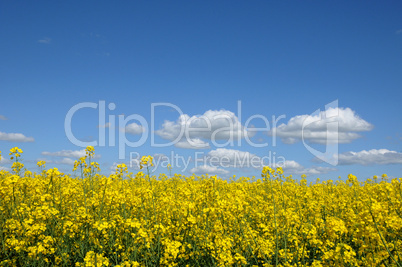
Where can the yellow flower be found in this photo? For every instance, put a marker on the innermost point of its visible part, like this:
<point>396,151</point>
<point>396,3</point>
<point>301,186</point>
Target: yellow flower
<point>266,171</point>
<point>120,168</point>
<point>90,151</point>
<point>146,161</point>
<point>41,163</point>
<point>17,167</point>
<point>16,152</point>
<point>178,221</point>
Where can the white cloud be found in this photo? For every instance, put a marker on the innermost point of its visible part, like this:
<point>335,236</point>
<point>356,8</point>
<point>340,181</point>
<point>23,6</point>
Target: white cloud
<point>195,143</point>
<point>68,156</point>
<point>295,168</point>
<point>3,118</point>
<point>3,161</point>
<point>66,153</point>
<point>45,40</point>
<point>398,31</point>
<point>224,157</point>
<point>133,128</point>
<point>15,137</point>
<point>189,132</point>
<point>66,161</point>
<point>204,169</point>
<point>289,166</point>
<point>370,157</point>
<point>316,130</point>
<point>4,169</point>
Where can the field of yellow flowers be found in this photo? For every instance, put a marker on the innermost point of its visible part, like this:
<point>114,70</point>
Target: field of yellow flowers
<point>53,219</point>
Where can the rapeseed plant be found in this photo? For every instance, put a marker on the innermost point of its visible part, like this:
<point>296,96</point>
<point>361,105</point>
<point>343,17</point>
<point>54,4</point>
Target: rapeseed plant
<point>54,219</point>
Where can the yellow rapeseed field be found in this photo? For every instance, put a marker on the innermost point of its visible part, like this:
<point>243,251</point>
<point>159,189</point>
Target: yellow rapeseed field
<point>54,219</point>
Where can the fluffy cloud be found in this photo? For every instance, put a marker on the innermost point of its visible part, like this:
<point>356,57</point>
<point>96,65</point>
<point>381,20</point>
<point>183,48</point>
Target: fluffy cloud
<point>295,168</point>
<point>233,158</point>
<point>370,157</point>
<point>321,128</point>
<point>3,160</point>
<point>66,161</point>
<point>67,153</point>
<point>133,128</point>
<point>15,137</point>
<point>192,144</point>
<point>68,157</point>
<point>189,132</point>
<point>204,169</point>
<point>224,158</point>
<point>4,169</point>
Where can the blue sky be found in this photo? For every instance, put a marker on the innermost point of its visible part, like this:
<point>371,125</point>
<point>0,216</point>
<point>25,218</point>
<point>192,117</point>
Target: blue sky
<point>271,58</point>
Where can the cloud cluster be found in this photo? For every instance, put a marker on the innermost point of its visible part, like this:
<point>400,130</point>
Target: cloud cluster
<point>335,125</point>
<point>133,128</point>
<point>4,169</point>
<point>68,156</point>
<point>65,161</point>
<point>195,132</point>
<point>223,157</point>
<point>233,158</point>
<point>295,168</point>
<point>66,153</point>
<point>4,161</point>
<point>15,137</point>
<point>370,157</point>
<point>206,169</point>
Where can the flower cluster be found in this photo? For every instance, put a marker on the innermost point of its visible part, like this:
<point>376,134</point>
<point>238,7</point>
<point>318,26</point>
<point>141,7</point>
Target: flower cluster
<point>55,219</point>
<point>146,161</point>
